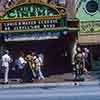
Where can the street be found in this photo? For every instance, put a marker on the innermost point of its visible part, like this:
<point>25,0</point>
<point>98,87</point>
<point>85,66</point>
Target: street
<point>91,92</point>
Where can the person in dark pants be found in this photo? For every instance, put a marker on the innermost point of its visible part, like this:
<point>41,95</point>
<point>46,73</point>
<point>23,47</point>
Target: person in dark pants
<point>21,64</point>
<point>79,64</point>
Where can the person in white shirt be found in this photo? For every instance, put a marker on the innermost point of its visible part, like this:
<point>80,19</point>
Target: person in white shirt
<point>6,59</point>
<point>39,61</point>
<point>21,62</point>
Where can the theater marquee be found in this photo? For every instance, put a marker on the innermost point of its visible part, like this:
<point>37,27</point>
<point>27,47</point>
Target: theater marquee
<point>35,21</point>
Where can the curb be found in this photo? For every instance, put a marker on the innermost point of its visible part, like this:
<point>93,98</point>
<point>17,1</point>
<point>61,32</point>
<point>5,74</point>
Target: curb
<point>48,85</point>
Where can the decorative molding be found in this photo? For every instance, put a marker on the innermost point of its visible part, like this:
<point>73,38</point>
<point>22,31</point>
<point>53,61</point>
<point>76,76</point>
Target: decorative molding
<point>89,27</point>
<point>11,4</point>
<point>91,7</point>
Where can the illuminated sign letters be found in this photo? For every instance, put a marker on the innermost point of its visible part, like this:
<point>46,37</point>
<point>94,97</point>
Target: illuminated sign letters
<point>32,21</point>
<point>30,10</point>
<point>29,25</point>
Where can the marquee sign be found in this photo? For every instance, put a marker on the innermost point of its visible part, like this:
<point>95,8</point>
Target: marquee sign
<point>32,17</point>
<point>30,10</point>
<point>31,24</point>
<point>35,21</point>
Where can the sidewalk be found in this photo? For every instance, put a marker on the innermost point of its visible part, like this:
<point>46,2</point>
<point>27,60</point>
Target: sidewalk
<point>66,79</point>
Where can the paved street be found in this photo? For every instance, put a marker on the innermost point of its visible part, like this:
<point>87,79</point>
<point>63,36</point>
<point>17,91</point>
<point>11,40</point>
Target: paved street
<point>91,92</point>
<point>54,88</point>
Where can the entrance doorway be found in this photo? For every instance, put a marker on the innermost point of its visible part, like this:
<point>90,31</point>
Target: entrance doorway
<point>57,58</point>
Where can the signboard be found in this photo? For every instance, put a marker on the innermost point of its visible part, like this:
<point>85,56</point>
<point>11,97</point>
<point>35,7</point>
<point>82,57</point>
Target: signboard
<point>31,24</point>
<point>33,21</point>
<point>32,17</point>
<point>31,9</point>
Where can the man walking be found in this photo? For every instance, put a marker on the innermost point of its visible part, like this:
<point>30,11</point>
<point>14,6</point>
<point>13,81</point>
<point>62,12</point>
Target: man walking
<point>6,59</point>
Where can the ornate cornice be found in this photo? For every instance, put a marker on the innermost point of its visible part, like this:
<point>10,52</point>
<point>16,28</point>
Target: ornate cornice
<point>89,27</point>
<point>6,6</point>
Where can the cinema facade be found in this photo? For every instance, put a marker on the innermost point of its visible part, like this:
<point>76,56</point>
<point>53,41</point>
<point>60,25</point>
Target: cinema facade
<point>88,11</point>
<point>44,28</point>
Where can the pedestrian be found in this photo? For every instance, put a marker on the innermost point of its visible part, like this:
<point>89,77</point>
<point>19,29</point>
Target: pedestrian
<point>6,60</point>
<point>79,63</point>
<point>31,65</point>
<point>86,55</point>
<point>41,58</point>
<point>21,64</point>
<point>38,58</point>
